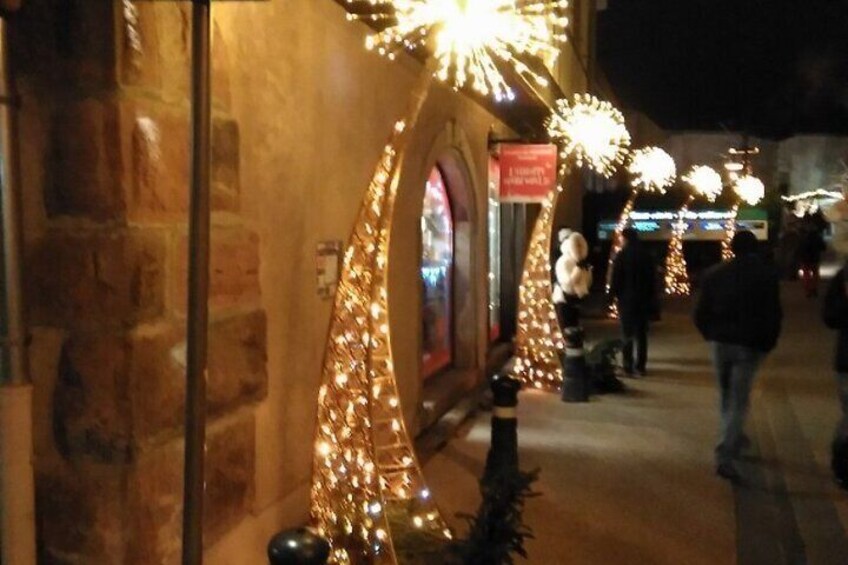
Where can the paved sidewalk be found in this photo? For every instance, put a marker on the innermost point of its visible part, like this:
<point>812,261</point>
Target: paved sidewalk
<point>629,478</point>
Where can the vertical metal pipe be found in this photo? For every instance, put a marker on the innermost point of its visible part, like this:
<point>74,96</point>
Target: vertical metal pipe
<point>17,498</point>
<point>198,287</point>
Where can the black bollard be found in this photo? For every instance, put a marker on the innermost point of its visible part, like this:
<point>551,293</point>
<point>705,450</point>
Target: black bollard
<point>575,383</point>
<point>299,546</point>
<point>503,452</point>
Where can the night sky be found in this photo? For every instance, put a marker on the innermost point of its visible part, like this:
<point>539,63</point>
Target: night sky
<point>772,67</point>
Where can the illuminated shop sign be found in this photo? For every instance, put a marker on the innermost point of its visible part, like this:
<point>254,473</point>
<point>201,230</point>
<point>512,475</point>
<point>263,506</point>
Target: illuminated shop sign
<point>701,225</point>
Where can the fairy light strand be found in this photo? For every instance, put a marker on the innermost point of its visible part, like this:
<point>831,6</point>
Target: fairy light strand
<point>750,190</point>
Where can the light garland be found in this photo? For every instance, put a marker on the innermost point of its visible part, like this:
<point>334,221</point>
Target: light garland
<point>750,190</point>
<point>469,37</point>
<point>591,132</point>
<point>366,478</point>
<point>703,181</point>
<point>729,231</point>
<point>538,339</point>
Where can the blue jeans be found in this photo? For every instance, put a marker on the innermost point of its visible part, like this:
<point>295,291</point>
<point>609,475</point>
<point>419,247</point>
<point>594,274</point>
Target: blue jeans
<point>735,367</point>
<point>842,387</point>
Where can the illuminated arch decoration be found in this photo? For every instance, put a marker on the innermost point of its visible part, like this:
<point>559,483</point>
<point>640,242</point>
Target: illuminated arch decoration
<point>590,132</point>
<point>368,490</point>
<point>702,181</point>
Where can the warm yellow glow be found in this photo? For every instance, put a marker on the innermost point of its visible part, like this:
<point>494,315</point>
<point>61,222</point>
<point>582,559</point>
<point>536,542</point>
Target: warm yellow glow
<point>704,181</point>
<point>652,170</point>
<point>749,189</point>
<point>469,38</point>
<point>591,132</point>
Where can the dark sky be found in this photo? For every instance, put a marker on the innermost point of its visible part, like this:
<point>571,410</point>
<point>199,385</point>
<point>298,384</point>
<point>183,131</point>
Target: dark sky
<point>773,67</point>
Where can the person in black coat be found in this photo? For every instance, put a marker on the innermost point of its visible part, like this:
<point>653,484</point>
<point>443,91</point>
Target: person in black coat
<point>835,314</point>
<point>633,285</point>
<point>738,311</point>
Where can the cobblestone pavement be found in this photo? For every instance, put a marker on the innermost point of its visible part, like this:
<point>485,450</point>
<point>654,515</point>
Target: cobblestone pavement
<point>629,478</point>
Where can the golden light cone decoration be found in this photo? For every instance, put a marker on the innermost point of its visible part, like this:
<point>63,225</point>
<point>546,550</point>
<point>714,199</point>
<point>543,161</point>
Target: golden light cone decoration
<point>750,190</point>
<point>702,181</point>
<point>469,37</point>
<point>366,476</point>
<point>651,170</point>
<point>590,132</point>
<point>538,339</point>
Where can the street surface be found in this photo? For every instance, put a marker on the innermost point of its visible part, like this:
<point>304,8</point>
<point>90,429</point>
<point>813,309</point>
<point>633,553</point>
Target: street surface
<point>629,478</point>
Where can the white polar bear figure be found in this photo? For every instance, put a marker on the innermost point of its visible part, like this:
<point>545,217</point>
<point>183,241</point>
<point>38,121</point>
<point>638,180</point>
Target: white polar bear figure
<point>572,280</point>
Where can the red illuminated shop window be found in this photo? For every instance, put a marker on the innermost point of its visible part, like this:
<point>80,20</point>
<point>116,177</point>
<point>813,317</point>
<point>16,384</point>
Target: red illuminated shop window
<point>436,276</point>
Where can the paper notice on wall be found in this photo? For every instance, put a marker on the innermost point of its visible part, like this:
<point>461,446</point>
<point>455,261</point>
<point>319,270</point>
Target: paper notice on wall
<point>327,261</point>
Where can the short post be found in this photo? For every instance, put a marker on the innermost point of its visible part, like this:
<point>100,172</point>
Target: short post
<point>503,452</point>
<point>575,383</point>
<point>299,546</point>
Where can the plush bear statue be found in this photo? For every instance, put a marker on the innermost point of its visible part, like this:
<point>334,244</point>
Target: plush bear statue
<point>572,278</point>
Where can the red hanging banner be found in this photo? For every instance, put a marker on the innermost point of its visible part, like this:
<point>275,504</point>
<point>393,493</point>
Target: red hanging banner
<point>528,172</point>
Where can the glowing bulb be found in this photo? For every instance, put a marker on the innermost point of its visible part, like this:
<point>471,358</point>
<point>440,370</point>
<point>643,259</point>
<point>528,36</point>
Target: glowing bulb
<point>704,181</point>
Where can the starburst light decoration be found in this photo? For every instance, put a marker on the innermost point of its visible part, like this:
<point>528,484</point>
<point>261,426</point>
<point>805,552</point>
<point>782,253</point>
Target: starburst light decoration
<point>590,132</point>
<point>366,478</point>
<point>652,170</point>
<point>469,38</point>
<point>751,191</point>
<point>702,181</point>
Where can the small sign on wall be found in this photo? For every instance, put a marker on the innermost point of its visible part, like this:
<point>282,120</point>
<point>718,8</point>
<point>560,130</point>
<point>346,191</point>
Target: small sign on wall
<point>327,261</point>
<point>527,172</point>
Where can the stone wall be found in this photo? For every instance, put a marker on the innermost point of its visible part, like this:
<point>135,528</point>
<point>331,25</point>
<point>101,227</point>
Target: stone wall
<point>105,168</point>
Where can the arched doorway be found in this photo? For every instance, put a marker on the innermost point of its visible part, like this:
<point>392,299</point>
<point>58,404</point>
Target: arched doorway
<point>437,274</point>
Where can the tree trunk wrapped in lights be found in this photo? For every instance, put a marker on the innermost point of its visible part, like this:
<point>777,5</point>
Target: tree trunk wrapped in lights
<point>617,244</point>
<point>538,340</point>
<point>729,231</point>
<point>366,475</point>
<point>676,274</point>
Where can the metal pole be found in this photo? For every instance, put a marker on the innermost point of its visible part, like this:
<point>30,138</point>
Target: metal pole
<point>198,287</point>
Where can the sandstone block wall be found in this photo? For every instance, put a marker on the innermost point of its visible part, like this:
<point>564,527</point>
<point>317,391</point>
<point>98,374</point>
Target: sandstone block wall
<point>105,128</point>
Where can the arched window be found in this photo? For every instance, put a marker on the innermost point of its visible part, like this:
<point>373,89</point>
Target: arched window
<point>436,276</point>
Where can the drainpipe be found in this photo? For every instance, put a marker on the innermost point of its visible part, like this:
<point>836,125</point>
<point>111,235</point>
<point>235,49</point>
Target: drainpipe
<point>17,499</point>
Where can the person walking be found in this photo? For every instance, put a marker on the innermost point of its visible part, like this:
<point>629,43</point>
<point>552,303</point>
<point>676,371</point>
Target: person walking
<point>809,256</point>
<point>633,286</point>
<point>738,311</point>
<point>835,314</point>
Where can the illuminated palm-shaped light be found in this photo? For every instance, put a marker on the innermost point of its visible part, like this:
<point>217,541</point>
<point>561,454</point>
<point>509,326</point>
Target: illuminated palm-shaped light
<point>591,132</point>
<point>749,189</point>
<point>653,170</point>
<point>469,37</point>
<point>705,182</point>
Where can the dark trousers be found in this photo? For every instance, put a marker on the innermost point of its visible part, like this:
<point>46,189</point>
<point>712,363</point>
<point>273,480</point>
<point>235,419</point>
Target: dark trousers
<point>635,334</point>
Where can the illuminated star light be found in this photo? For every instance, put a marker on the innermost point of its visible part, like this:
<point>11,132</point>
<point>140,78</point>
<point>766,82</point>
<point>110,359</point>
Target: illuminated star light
<point>750,189</point>
<point>468,37</point>
<point>704,181</point>
<point>653,170</point>
<point>591,131</point>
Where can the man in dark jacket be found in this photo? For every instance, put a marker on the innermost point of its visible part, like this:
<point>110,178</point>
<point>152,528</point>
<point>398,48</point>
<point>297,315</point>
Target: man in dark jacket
<point>835,314</point>
<point>633,286</point>
<point>738,310</point>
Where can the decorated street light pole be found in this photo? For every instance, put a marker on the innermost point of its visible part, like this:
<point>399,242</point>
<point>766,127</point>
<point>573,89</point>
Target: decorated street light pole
<point>367,487</point>
<point>652,170</point>
<point>702,181</point>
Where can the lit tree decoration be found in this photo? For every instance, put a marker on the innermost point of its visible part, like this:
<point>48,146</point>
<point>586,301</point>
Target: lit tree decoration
<point>591,133</point>
<point>702,181</point>
<point>367,483</point>
<point>750,190</point>
<point>651,170</point>
<point>469,37</point>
